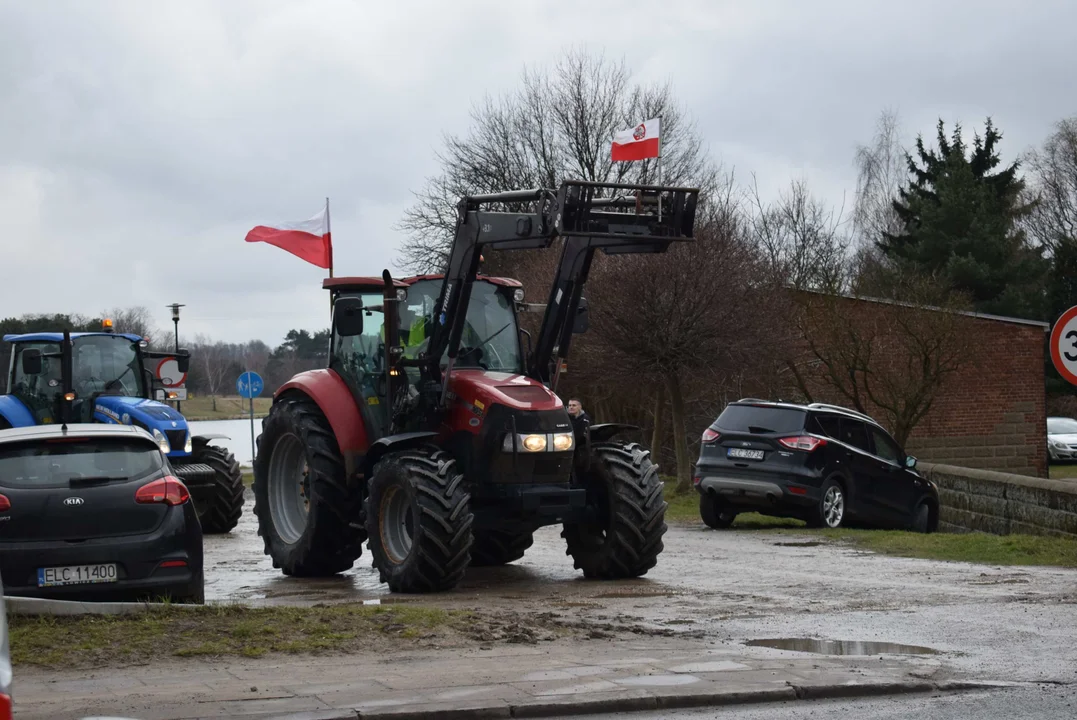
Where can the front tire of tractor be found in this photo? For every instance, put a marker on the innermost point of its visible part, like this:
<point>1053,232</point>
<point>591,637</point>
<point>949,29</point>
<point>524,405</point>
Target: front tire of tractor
<point>624,488</point>
<point>499,547</point>
<point>308,517</point>
<point>419,519</point>
<point>222,511</point>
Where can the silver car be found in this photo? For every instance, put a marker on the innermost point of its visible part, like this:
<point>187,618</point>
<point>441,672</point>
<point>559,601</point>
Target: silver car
<point>1061,439</point>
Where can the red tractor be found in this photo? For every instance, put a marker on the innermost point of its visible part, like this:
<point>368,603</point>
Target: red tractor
<point>435,434</point>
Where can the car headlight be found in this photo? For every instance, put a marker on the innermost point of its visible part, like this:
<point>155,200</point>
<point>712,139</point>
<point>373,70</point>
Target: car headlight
<point>162,441</point>
<point>188,447</point>
<point>1059,444</point>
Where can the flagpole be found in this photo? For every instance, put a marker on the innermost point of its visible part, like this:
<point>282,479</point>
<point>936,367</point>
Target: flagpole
<point>329,232</point>
<point>660,134</point>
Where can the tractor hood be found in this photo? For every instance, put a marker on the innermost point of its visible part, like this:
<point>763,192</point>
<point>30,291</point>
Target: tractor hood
<point>147,414</point>
<point>515,391</point>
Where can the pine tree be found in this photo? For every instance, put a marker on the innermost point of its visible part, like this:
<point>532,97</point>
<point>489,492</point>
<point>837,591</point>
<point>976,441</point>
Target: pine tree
<point>960,223</point>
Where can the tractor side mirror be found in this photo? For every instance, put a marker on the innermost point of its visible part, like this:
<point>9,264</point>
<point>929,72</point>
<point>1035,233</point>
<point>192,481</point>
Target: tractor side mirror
<point>348,316</point>
<point>31,362</point>
<point>183,360</point>
<point>583,320</point>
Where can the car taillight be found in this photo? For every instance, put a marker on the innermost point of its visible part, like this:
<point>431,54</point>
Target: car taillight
<point>168,490</point>
<point>5,504</point>
<point>5,707</point>
<point>710,436</point>
<point>802,442</point>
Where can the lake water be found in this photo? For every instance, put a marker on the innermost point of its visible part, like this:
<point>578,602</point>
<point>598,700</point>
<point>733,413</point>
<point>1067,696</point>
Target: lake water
<point>238,432</point>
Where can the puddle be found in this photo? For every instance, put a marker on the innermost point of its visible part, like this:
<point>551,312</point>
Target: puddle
<point>809,543</point>
<point>841,647</point>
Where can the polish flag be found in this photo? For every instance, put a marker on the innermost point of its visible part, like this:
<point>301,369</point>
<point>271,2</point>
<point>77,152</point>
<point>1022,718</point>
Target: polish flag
<point>637,143</point>
<point>306,239</point>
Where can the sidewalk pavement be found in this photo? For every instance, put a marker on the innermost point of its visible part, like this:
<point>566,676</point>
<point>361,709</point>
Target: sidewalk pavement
<point>503,681</point>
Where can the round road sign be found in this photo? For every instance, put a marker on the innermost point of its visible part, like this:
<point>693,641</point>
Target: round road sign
<point>168,373</point>
<point>1064,345</point>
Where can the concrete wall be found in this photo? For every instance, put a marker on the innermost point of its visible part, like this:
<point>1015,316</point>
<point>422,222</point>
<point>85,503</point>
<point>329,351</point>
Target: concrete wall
<point>1003,503</point>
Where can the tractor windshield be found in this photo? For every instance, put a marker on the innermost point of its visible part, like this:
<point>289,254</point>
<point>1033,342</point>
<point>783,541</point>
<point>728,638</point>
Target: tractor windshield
<point>107,364</point>
<point>490,339</point>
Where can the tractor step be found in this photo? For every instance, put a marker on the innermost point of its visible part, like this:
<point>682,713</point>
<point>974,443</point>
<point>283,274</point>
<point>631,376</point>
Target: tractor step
<point>194,473</point>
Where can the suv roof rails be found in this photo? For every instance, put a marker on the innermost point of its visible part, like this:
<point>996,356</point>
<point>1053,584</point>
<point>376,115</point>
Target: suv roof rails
<point>771,402</point>
<point>841,409</point>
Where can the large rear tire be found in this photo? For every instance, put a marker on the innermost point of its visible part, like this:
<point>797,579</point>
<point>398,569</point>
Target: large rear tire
<point>222,510</point>
<point>624,488</point>
<point>499,547</point>
<point>419,519</point>
<point>309,519</point>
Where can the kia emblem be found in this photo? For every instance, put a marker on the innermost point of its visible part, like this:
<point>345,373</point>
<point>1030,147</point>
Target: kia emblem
<point>73,501</point>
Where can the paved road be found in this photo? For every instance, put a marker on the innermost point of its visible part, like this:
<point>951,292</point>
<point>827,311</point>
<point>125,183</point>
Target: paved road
<point>1033,703</point>
<point>730,587</point>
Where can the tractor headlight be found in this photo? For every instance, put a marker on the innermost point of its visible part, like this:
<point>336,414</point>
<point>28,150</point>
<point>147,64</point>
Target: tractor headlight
<point>188,447</point>
<point>162,441</point>
<point>535,442</point>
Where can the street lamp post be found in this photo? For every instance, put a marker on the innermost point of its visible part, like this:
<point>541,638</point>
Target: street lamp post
<point>175,322</point>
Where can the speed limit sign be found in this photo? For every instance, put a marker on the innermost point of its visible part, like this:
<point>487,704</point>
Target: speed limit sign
<point>1064,345</point>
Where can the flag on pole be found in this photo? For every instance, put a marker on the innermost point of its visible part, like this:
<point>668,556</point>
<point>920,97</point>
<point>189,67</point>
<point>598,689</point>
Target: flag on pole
<point>638,143</point>
<point>306,239</point>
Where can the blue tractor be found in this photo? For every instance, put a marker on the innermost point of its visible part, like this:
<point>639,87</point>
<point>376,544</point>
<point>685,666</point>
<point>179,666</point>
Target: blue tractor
<point>101,377</point>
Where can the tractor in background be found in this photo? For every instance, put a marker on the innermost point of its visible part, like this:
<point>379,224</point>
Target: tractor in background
<point>101,377</point>
<point>436,436</point>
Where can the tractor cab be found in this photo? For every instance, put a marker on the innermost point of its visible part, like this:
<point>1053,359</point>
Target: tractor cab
<point>359,351</point>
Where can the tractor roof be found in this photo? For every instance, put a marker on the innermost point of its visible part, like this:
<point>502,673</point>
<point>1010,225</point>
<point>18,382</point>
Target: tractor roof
<point>352,284</point>
<point>59,336</point>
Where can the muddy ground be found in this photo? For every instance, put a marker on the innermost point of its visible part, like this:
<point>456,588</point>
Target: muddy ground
<point>731,587</point>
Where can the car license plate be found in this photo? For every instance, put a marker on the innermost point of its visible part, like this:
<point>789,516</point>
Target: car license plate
<point>76,575</point>
<point>745,454</point>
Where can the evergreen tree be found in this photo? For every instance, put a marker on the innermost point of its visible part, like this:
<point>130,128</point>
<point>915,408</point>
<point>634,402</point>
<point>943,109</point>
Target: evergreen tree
<point>960,222</point>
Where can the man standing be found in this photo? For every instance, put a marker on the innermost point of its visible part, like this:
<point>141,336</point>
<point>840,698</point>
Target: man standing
<point>575,409</point>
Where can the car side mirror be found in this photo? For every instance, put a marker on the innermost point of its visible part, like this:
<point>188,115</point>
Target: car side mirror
<point>910,462</point>
<point>583,319</point>
<point>348,316</point>
<point>183,360</point>
<point>31,362</point>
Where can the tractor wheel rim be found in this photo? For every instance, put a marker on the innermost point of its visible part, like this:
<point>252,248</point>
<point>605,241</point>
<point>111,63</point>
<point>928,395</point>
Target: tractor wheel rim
<point>396,525</point>
<point>289,488</point>
<point>833,506</point>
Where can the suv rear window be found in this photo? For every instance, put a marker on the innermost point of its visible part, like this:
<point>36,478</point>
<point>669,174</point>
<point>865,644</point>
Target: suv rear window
<point>55,463</point>
<point>755,419</point>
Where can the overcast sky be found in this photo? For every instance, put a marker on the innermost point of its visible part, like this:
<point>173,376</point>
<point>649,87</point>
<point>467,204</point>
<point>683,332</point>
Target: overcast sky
<point>139,141</point>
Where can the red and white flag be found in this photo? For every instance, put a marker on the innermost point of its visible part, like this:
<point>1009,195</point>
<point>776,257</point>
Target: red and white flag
<point>306,239</point>
<point>638,143</point>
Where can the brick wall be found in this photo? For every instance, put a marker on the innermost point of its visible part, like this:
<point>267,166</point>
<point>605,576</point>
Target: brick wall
<point>991,414</point>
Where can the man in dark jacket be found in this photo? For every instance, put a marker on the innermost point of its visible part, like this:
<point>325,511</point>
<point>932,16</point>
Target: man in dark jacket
<point>579,417</point>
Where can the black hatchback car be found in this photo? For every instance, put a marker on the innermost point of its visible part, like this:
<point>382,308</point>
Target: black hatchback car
<point>93,512</point>
<point>824,464</point>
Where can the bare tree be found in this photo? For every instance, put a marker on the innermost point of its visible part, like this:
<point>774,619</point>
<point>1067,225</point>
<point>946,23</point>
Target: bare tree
<point>214,361</point>
<point>694,316</point>
<point>881,170</point>
<point>558,124</point>
<point>802,239</point>
<point>1053,179</point>
<point>882,358</point>
<point>134,320</point>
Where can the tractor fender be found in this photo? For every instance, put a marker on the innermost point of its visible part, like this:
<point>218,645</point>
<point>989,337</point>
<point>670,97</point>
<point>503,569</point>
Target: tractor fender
<point>15,413</point>
<point>606,431</point>
<point>333,397</point>
<point>210,436</point>
<point>394,443</point>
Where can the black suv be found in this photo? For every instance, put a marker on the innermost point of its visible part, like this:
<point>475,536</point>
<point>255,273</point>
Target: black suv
<point>824,464</point>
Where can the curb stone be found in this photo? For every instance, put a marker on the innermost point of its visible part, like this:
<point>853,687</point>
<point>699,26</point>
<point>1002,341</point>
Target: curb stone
<point>549,708</point>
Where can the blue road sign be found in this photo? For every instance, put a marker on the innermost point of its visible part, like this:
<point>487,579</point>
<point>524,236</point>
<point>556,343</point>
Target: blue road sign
<point>249,385</point>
